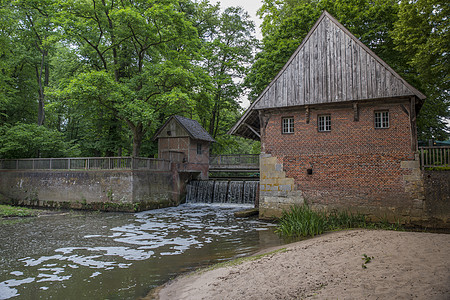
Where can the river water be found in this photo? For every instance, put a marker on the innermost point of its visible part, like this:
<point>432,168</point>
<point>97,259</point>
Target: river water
<point>94,255</point>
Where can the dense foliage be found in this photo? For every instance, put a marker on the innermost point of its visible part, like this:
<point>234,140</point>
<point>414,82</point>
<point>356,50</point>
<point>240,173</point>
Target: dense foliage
<point>411,36</point>
<point>98,77</point>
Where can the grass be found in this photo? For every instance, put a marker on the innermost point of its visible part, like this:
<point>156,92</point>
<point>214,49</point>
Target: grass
<point>440,168</point>
<point>302,221</point>
<point>7,211</point>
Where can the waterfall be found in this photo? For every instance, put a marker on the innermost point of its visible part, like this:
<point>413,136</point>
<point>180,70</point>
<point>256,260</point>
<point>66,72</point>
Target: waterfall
<point>222,191</point>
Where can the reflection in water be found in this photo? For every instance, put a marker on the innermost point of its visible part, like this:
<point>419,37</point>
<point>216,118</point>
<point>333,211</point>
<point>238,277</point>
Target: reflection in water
<point>120,256</point>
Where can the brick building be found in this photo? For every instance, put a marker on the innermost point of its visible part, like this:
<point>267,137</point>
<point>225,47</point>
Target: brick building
<point>185,142</point>
<point>337,129</point>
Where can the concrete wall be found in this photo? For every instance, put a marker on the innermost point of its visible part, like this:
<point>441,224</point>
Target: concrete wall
<point>354,166</point>
<point>111,190</point>
<point>437,198</point>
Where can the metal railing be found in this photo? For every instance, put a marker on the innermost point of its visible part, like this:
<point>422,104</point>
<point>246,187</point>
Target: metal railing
<point>235,160</point>
<point>86,163</point>
<point>437,156</point>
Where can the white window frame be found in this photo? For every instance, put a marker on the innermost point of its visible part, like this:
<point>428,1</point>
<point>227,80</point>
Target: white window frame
<point>324,123</point>
<point>287,125</point>
<point>199,149</point>
<point>381,119</point>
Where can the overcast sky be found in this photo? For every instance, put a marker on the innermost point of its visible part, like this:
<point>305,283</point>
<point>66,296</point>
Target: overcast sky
<point>251,6</point>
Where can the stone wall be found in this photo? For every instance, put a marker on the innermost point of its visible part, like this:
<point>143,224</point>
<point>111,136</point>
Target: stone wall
<point>437,198</point>
<point>111,190</point>
<point>277,191</point>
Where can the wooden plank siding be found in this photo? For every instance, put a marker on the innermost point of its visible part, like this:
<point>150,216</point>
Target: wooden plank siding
<point>331,65</point>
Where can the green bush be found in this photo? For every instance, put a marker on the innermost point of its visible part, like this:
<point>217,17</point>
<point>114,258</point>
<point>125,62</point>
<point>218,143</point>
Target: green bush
<point>29,140</point>
<point>13,211</point>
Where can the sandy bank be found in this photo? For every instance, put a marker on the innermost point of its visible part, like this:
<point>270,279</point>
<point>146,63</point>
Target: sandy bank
<point>406,265</point>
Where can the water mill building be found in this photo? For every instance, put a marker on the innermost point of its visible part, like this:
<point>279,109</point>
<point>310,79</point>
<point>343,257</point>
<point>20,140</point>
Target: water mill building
<point>337,127</point>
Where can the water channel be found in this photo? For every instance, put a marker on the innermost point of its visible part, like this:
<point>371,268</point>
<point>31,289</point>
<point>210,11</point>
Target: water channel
<point>93,255</point>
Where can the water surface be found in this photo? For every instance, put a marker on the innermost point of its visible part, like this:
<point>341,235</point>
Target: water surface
<point>92,255</point>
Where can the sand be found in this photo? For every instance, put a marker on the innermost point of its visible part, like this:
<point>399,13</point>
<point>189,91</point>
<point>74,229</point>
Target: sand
<point>405,265</point>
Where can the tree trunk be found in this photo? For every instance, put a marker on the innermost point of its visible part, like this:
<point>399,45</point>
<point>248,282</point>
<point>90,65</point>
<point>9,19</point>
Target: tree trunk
<point>41,85</point>
<point>138,135</point>
<point>215,114</point>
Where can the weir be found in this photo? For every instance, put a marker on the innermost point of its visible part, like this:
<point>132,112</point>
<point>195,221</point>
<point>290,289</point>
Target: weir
<point>222,191</point>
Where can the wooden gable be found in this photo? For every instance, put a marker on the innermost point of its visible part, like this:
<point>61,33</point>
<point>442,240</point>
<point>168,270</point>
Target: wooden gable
<point>172,129</point>
<point>332,65</point>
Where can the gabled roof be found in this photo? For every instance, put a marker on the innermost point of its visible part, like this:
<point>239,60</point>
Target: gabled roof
<point>192,127</point>
<point>331,65</point>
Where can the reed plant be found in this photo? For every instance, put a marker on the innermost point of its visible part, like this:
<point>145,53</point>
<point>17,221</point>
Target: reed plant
<point>302,221</point>
<point>345,219</point>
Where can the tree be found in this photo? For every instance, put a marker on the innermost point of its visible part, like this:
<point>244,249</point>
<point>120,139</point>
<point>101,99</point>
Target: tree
<point>227,55</point>
<point>38,34</point>
<point>25,140</point>
<point>140,50</point>
<point>102,73</point>
<point>422,35</point>
<point>17,86</point>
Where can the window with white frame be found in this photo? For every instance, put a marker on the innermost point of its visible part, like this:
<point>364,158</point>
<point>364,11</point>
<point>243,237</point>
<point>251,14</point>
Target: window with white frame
<point>287,125</point>
<point>199,149</point>
<point>382,119</point>
<point>324,123</point>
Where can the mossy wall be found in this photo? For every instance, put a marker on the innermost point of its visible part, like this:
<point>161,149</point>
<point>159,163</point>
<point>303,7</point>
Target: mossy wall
<point>117,190</point>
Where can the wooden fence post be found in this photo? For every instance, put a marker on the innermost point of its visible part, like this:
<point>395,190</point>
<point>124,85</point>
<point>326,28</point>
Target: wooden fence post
<point>422,162</point>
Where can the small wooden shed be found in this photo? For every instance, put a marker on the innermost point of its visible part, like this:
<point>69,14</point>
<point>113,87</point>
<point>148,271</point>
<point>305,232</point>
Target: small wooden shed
<point>183,140</point>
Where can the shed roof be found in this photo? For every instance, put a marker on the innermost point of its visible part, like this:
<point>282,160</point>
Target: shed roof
<point>192,127</point>
<point>331,65</point>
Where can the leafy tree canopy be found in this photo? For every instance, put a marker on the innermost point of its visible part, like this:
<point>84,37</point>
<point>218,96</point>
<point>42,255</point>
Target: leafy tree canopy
<point>106,74</point>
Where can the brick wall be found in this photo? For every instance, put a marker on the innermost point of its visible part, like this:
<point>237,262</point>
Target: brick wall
<point>202,158</point>
<point>354,165</point>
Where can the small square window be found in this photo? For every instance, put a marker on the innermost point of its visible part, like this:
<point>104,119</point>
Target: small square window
<point>381,119</point>
<point>288,125</point>
<point>324,123</point>
<point>199,149</point>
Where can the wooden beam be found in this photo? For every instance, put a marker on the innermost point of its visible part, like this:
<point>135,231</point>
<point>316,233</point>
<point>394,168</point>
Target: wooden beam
<point>253,130</point>
<point>355,112</point>
<point>307,114</point>
<point>412,116</point>
<point>404,109</point>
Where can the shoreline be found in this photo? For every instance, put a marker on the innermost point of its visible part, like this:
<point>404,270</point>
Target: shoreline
<point>401,265</point>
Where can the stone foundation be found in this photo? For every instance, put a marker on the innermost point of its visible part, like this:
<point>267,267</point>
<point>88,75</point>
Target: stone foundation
<point>277,192</point>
